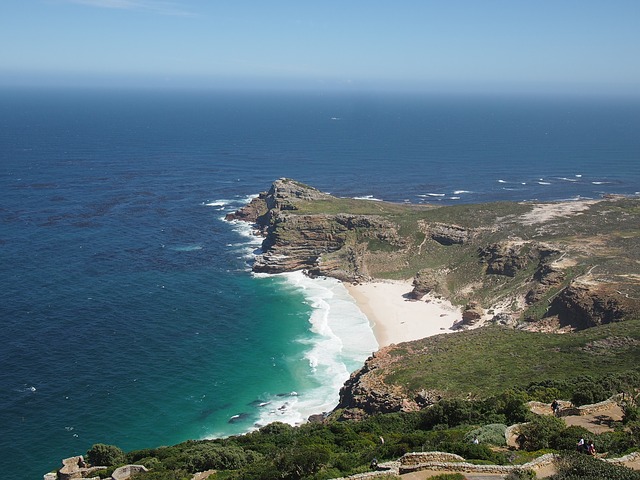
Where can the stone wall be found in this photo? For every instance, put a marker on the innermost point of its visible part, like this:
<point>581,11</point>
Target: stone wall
<point>464,467</point>
<point>416,458</point>
<point>123,473</point>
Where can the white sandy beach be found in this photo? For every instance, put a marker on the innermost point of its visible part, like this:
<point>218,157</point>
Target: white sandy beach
<point>395,318</point>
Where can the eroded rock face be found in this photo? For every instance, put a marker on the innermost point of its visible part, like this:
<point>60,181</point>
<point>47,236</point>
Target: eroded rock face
<point>583,306</point>
<point>424,282</point>
<point>365,393</point>
<point>504,259</point>
<point>446,234</point>
<point>472,313</point>
<point>546,277</point>
<point>508,258</point>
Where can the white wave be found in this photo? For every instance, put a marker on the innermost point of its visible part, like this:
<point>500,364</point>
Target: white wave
<point>247,231</point>
<point>579,176</point>
<point>454,198</point>
<point>341,341</point>
<point>368,197</point>
<point>568,179</point>
<point>432,195</point>
<point>502,181</point>
<point>544,183</point>
<point>600,183</point>
<point>187,248</point>
<point>218,203</point>
<point>459,192</point>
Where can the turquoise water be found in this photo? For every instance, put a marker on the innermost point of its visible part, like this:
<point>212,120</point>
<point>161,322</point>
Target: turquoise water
<point>129,312</point>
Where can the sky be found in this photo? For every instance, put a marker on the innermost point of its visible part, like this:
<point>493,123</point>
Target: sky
<point>577,46</point>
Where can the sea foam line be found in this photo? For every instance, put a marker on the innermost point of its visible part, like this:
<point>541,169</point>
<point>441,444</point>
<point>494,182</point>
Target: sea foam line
<point>340,340</point>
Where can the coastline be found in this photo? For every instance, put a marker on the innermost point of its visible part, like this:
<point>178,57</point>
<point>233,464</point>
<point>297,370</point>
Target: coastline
<point>395,318</point>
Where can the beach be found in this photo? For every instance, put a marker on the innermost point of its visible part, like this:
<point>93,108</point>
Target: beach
<point>396,318</point>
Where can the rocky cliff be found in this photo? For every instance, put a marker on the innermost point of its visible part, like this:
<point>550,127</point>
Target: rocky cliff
<point>569,264</point>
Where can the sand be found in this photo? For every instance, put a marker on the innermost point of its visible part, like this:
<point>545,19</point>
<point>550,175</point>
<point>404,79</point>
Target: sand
<point>395,318</point>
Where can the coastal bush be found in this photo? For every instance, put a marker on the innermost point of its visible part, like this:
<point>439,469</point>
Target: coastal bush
<point>540,432</point>
<point>512,404</point>
<point>105,455</point>
<point>568,438</point>
<point>449,476</point>
<point>630,412</point>
<point>471,451</point>
<point>587,391</point>
<point>492,434</point>
<point>521,474</point>
<point>577,466</point>
<point>162,475</point>
<point>616,443</point>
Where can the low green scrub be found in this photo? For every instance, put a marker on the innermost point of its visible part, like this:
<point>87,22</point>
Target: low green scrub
<point>489,359</point>
<point>584,467</point>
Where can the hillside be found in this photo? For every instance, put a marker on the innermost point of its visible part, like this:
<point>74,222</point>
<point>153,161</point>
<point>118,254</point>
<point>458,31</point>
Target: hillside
<point>538,266</point>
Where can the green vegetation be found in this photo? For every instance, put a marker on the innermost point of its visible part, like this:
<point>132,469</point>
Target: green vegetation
<point>495,358</point>
<point>584,467</point>
<point>334,449</point>
<point>105,455</point>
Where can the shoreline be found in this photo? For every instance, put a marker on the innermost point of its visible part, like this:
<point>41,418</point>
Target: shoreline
<point>394,318</point>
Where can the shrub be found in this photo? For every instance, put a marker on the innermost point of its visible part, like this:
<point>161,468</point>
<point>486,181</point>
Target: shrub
<point>521,474</point>
<point>492,434</point>
<point>587,391</point>
<point>630,412</point>
<point>576,466</point>
<point>449,476</point>
<point>105,455</point>
<point>568,438</point>
<point>540,431</point>
<point>470,451</point>
<point>615,443</point>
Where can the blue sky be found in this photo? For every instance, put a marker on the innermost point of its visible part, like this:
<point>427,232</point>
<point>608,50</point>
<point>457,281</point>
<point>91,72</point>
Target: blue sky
<point>581,46</point>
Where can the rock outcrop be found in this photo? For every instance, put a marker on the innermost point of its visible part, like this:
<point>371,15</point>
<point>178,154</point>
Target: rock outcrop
<point>472,314</point>
<point>424,282</point>
<point>584,306</point>
<point>446,234</point>
<point>366,393</point>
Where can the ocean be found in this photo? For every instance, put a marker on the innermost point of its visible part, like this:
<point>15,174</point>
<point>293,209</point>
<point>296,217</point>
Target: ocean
<point>129,313</point>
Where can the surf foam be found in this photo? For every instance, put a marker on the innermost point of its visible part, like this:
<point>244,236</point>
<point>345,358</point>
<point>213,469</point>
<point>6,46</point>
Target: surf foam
<point>339,342</point>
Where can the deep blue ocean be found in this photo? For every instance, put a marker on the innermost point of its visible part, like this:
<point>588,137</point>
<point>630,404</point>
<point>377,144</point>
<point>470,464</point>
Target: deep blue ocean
<point>128,311</point>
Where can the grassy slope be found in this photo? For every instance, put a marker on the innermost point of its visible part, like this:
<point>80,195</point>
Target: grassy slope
<point>491,359</point>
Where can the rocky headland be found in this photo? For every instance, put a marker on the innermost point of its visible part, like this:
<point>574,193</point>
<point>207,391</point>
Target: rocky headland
<point>537,267</point>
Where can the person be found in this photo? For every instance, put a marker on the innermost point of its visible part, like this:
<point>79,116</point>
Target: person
<point>591,448</point>
<point>580,446</point>
<point>555,406</point>
<point>374,464</point>
<point>475,440</point>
